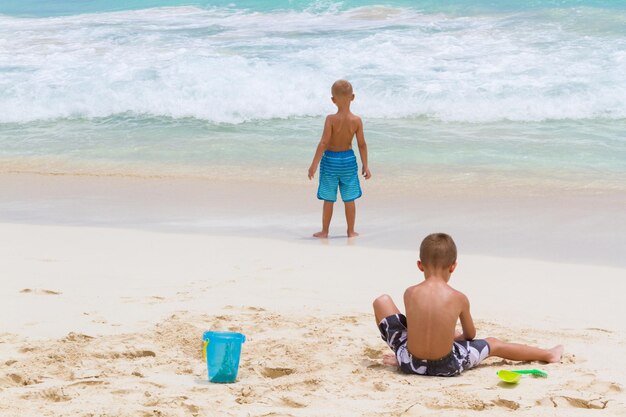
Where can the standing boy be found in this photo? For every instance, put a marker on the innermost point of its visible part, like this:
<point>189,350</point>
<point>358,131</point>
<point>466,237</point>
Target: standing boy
<point>424,341</point>
<point>334,155</point>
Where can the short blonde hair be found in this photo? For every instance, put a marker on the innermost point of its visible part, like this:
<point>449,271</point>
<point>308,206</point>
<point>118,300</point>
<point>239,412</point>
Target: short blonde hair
<point>438,250</point>
<point>341,88</point>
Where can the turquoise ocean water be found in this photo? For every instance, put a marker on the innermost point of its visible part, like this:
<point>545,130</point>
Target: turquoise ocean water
<point>520,92</point>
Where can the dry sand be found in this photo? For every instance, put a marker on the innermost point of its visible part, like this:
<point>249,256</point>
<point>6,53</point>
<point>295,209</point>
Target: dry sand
<point>98,321</point>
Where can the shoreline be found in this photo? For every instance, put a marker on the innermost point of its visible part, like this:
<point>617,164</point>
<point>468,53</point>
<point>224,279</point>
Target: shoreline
<point>442,180</point>
<point>550,226</point>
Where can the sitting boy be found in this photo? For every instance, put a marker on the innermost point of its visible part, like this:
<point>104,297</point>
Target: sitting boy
<point>424,341</point>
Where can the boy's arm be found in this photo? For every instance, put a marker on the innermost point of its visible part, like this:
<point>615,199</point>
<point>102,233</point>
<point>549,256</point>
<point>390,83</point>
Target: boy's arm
<point>360,140</point>
<point>321,147</point>
<point>469,330</point>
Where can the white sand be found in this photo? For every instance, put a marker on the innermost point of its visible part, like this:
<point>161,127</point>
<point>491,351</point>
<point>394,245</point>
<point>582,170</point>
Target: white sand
<point>98,321</point>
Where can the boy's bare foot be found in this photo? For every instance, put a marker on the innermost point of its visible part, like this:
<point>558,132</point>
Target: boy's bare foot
<point>321,235</point>
<point>390,359</point>
<point>555,354</point>
<point>352,234</point>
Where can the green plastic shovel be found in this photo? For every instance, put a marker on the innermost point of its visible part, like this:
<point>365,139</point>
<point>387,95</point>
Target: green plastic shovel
<point>513,377</point>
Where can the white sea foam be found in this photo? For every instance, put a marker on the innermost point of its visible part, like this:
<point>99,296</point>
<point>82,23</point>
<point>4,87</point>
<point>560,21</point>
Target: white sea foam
<point>227,66</point>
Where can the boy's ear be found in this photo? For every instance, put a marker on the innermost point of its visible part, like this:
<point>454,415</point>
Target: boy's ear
<point>420,266</point>
<point>332,98</point>
<point>452,267</point>
<point>352,97</point>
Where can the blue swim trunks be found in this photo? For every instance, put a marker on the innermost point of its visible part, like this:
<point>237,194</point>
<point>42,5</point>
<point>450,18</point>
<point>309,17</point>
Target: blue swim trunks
<point>339,169</point>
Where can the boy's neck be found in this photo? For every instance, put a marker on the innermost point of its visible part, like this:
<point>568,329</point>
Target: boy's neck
<point>437,275</point>
<point>343,108</point>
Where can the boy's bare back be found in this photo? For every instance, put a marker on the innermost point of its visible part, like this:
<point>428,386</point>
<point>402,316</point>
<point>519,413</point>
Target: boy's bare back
<point>432,310</point>
<point>343,127</point>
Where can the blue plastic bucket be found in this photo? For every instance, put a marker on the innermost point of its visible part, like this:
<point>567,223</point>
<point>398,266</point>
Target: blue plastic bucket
<point>222,351</point>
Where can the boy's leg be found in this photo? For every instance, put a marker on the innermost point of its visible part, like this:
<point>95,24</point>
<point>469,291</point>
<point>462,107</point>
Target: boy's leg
<point>327,214</point>
<point>385,307</point>
<point>351,217</point>
<point>519,352</point>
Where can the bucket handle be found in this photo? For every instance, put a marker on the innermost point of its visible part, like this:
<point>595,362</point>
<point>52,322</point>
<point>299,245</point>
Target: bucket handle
<point>204,347</point>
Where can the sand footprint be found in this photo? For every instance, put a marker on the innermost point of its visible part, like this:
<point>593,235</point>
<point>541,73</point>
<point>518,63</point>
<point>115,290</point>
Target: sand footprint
<point>588,382</point>
<point>193,409</point>
<point>254,308</point>
<point>597,404</point>
<point>54,395</point>
<point>40,291</point>
<point>89,382</point>
<point>76,337</point>
<point>274,373</point>
<point>310,385</point>
<point>457,400</point>
<point>289,402</point>
<point>460,404</point>
<point>373,353</point>
<point>133,354</point>
<point>17,380</point>
<point>246,395</point>
<point>381,386</point>
<point>511,405</point>
<point>349,319</point>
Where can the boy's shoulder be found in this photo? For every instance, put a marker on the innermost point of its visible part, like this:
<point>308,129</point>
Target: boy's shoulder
<point>337,116</point>
<point>459,297</point>
<point>413,289</point>
<point>355,117</point>
<point>455,292</point>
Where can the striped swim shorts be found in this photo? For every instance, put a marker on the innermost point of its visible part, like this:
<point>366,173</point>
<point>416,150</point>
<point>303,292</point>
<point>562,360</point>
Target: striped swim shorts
<point>339,170</point>
<point>464,354</point>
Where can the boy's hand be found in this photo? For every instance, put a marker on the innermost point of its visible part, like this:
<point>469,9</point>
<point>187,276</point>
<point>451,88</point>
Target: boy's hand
<point>312,170</point>
<point>366,173</point>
